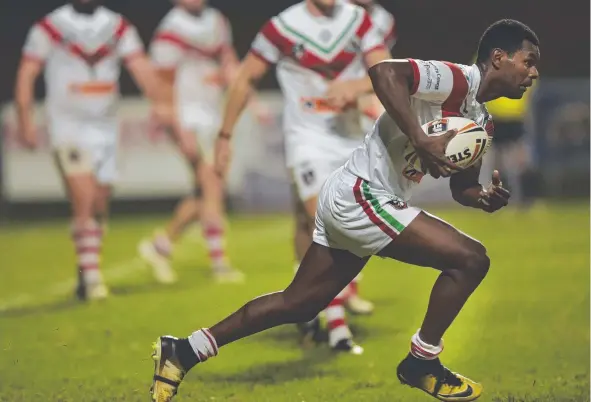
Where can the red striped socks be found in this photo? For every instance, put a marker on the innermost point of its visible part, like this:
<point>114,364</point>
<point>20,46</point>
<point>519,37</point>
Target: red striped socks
<point>214,237</point>
<point>422,350</point>
<point>336,319</point>
<point>203,344</point>
<point>88,241</point>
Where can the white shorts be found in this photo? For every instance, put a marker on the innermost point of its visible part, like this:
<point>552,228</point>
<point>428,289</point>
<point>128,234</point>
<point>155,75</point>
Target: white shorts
<point>99,160</point>
<point>355,216</point>
<point>86,146</point>
<point>309,176</point>
<point>205,124</point>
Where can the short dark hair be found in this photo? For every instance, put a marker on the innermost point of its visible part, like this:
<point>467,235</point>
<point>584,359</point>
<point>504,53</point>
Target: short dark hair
<point>507,35</point>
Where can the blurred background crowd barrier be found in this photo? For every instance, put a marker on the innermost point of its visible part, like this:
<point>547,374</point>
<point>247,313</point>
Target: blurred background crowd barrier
<point>556,120</point>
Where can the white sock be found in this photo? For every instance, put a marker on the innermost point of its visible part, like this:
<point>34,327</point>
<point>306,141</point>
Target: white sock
<point>422,350</point>
<point>203,344</point>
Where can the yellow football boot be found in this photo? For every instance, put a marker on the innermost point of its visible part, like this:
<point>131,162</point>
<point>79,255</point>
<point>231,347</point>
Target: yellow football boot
<point>438,381</point>
<point>168,372</point>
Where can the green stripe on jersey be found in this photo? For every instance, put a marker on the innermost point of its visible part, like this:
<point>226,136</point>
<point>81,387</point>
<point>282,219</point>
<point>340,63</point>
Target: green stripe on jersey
<point>316,45</point>
<point>375,204</point>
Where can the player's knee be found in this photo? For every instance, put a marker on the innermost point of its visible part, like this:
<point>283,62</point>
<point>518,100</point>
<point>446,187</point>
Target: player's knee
<point>476,262</point>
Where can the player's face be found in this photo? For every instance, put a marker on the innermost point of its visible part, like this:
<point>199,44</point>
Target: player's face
<point>192,5</point>
<point>325,6</point>
<point>520,70</point>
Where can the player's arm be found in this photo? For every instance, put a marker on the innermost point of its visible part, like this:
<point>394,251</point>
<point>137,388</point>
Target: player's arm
<point>37,48</point>
<point>467,190</point>
<point>251,70</point>
<point>28,71</point>
<point>392,81</point>
<point>131,49</point>
<point>343,93</point>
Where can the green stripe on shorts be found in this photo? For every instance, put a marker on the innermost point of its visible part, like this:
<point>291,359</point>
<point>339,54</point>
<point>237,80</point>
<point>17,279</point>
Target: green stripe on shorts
<point>375,204</point>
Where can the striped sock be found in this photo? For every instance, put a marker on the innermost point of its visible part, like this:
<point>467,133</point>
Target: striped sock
<point>162,244</point>
<point>88,240</point>
<point>336,319</point>
<point>422,350</point>
<point>214,237</point>
<point>203,344</point>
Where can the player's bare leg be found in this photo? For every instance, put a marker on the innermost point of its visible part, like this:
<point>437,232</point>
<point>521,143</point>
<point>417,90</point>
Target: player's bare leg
<point>214,223</point>
<point>87,235</point>
<point>157,251</point>
<point>310,330</point>
<point>324,272</point>
<point>101,205</point>
<point>463,263</point>
<point>304,227</point>
<point>340,337</point>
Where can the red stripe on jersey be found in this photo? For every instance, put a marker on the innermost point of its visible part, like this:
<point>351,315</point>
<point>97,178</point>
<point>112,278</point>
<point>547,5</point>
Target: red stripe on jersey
<point>459,91</point>
<point>416,77</point>
<point>175,39</point>
<point>365,26</point>
<point>77,50</point>
<point>50,30</point>
<point>270,32</point>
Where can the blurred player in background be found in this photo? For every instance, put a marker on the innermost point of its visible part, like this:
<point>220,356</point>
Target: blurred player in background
<point>363,211</point>
<point>385,26</point>
<point>321,48</point>
<point>193,52</point>
<point>80,46</point>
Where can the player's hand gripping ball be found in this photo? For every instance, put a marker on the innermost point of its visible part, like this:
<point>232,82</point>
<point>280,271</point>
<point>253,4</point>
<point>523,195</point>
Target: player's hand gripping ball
<point>465,149</point>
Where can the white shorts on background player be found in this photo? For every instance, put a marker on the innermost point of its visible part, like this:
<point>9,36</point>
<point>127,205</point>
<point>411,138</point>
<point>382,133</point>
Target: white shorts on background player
<point>309,53</point>
<point>363,206</point>
<point>82,56</point>
<point>191,46</point>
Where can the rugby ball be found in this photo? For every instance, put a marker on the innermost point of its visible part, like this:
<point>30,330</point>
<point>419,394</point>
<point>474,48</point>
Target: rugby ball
<point>464,150</point>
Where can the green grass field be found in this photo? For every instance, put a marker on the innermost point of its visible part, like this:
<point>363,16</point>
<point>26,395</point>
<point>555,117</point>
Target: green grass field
<point>524,334</point>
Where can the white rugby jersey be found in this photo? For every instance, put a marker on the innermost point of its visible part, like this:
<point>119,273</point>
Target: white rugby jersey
<point>310,51</point>
<point>82,55</point>
<point>441,89</point>
<point>385,24</point>
<point>192,45</point>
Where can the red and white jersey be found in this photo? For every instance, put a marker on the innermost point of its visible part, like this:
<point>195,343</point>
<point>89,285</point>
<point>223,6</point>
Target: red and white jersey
<point>82,55</point>
<point>191,45</point>
<point>385,24</point>
<point>311,51</point>
<point>441,89</point>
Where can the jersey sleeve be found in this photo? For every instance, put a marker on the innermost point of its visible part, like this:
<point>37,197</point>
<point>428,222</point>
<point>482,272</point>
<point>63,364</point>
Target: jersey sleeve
<point>439,82</point>
<point>268,43</point>
<point>166,51</point>
<point>369,35</point>
<point>130,43</point>
<point>39,43</point>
